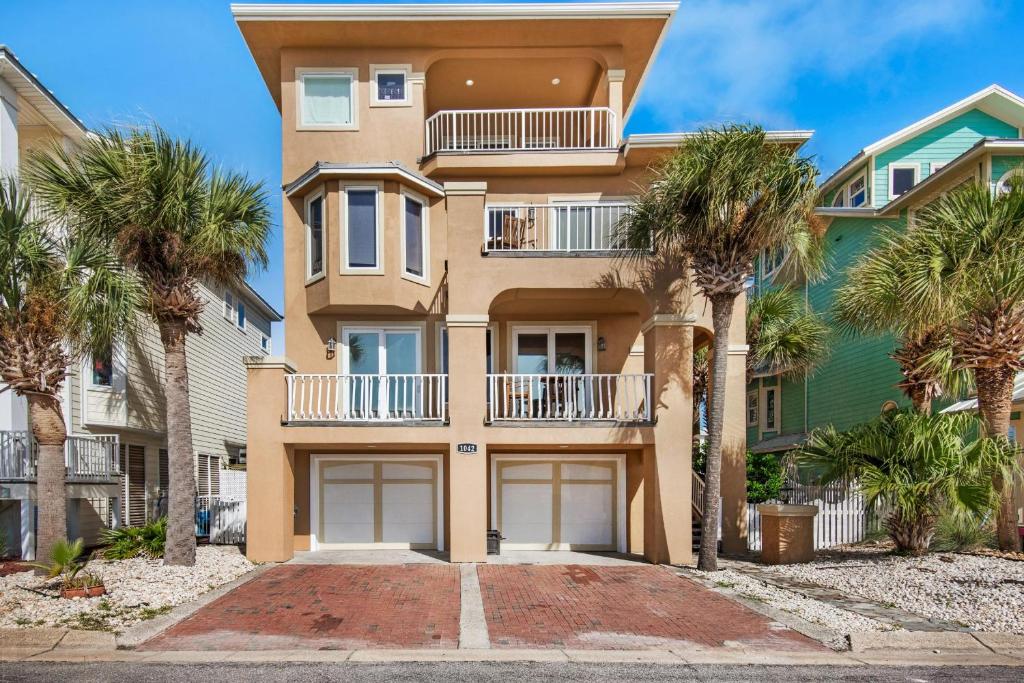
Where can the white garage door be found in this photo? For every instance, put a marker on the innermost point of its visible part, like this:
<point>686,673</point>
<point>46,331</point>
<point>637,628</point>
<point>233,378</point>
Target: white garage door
<point>553,505</point>
<point>377,504</point>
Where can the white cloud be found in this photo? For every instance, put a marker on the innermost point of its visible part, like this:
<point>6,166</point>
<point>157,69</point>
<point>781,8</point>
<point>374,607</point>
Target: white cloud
<point>743,59</point>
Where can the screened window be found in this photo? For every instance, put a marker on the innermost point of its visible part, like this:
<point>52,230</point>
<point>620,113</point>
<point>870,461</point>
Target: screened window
<point>315,237</point>
<point>361,219</point>
<point>327,99</point>
<point>103,369</point>
<point>415,261</point>
<point>902,178</point>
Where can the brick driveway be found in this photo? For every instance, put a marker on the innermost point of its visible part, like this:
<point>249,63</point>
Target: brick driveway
<point>328,608</point>
<point>617,608</point>
<point>416,606</point>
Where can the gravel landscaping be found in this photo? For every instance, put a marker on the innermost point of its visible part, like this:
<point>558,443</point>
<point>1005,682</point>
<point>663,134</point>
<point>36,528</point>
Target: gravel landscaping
<point>837,621</point>
<point>137,589</point>
<point>985,593</point>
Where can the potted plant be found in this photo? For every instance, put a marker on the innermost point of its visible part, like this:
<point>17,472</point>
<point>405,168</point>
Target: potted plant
<point>67,565</point>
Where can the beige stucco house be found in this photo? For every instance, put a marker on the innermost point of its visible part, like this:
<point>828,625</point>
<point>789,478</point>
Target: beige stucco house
<point>114,406</point>
<point>466,350</point>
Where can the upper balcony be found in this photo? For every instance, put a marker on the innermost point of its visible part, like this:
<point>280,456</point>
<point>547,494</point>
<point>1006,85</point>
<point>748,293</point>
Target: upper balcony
<point>563,129</point>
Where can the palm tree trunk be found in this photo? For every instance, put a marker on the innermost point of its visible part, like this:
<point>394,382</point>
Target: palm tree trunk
<point>911,535</point>
<point>920,400</point>
<point>995,398</point>
<point>180,548</point>
<point>50,433</point>
<point>721,315</point>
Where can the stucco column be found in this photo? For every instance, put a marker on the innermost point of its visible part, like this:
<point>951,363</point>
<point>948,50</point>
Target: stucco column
<point>615,79</point>
<point>734,454</point>
<point>270,491</point>
<point>668,463</point>
<point>467,380</point>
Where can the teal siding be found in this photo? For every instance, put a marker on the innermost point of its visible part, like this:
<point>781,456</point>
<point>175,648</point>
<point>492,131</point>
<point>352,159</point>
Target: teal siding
<point>1002,164</point>
<point>846,179</point>
<point>943,143</point>
<point>792,406</point>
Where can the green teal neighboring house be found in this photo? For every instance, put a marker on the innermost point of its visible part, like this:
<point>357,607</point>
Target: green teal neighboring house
<point>981,136</point>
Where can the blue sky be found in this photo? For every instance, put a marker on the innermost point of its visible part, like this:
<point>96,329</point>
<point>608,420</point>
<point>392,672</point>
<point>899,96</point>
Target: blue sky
<point>852,70</point>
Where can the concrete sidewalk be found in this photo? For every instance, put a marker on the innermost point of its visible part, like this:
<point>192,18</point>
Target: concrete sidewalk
<point>889,648</point>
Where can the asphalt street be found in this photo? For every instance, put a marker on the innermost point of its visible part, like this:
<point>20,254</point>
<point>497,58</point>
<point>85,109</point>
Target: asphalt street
<point>12,672</point>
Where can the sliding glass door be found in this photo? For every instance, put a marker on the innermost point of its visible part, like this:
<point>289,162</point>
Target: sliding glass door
<point>551,351</point>
<point>380,365</point>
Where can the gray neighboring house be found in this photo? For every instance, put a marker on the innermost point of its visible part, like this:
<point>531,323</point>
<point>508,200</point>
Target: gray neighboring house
<point>114,406</point>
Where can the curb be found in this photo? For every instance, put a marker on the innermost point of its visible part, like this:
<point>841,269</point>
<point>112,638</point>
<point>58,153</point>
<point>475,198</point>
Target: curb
<point>135,635</point>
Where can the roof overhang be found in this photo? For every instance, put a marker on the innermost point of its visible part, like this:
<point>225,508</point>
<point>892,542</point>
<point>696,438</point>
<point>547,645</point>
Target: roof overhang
<point>637,27</point>
<point>794,138</point>
<point>845,212</point>
<point>388,170</point>
<point>35,93</point>
<point>261,304</point>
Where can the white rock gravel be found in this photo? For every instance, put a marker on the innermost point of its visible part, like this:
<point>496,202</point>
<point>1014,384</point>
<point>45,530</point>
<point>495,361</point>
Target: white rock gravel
<point>983,593</point>
<point>834,620</point>
<point>137,589</point>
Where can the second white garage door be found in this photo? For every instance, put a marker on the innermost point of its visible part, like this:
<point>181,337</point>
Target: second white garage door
<point>377,504</point>
<point>557,505</point>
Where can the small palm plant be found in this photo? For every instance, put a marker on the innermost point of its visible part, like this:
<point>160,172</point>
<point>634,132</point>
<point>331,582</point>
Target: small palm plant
<point>66,563</point>
<point>135,541</point>
<point>783,335</point>
<point>912,467</point>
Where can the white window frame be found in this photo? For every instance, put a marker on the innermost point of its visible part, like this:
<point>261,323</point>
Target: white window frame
<point>753,394</point>
<point>310,198</point>
<point>409,195</point>
<point>300,95</point>
<point>849,194</point>
<point>1006,176</point>
<point>915,167</point>
<point>381,69</point>
<point>763,408</point>
<point>113,372</point>
<point>378,190</point>
<point>265,343</point>
<point>380,330</point>
<point>839,198</point>
<point>241,317</point>
<point>551,331</point>
<point>765,273</point>
<point>935,167</point>
<point>229,306</point>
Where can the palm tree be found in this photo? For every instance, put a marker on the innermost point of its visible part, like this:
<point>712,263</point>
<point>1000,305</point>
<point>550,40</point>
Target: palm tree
<point>783,335</point>
<point>871,301</point>
<point>61,295</point>
<point>173,221</point>
<point>721,198</point>
<point>963,271</point>
<point>917,465</point>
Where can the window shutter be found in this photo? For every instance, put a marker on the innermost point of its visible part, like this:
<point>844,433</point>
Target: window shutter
<point>165,474</point>
<point>204,475</point>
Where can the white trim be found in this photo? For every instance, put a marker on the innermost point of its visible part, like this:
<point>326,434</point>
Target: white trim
<point>382,69</point>
<point>310,198</point>
<point>667,320</point>
<point>452,11</point>
<point>314,494</point>
<point>404,196</point>
<point>620,493</point>
<point>669,140</point>
<point>1006,176</point>
<point>378,190</point>
<point>762,408</point>
<point>266,342</point>
<point>849,192</point>
<point>241,316</point>
<point>362,171</point>
<point>936,166</point>
<point>350,72</point>
<point>587,330</point>
<point>381,329</point>
<point>913,165</point>
<point>756,395</point>
<point>228,307</point>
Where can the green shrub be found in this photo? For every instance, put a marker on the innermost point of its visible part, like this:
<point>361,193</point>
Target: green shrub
<point>765,477</point>
<point>957,531</point>
<point>134,541</point>
<point>65,563</point>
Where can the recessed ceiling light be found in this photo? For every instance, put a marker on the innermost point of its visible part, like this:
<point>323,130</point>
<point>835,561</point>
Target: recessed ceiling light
<point>556,81</point>
<point>469,82</point>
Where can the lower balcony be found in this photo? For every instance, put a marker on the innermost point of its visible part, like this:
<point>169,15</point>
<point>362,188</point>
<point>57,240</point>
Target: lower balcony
<point>86,458</point>
<point>405,398</point>
<point>569,398</point>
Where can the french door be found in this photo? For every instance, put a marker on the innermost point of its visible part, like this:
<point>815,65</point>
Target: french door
<point>380,368</point>
<point>541,356</point>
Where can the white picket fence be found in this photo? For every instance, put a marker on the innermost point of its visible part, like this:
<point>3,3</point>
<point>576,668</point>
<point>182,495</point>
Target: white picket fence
<point>221,519</point>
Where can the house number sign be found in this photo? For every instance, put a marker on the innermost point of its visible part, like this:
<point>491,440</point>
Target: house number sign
<point>467,448</point>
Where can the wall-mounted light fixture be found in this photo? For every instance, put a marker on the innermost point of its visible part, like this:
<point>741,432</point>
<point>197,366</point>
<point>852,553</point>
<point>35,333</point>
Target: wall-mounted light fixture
<point>556,81</point>
<point>469,82</point>
<point>332,346</point>
<point>601,344</point>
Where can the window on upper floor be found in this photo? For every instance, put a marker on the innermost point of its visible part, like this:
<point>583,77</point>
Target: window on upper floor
<point>902,177</point>
<point>390,85</point>
<point>361,228</point>
<point>857,191</point>
<point>936,167</point>
<point>415,237</point>
<point>839,199</point>
<point>265,343</point>
<point>240,320</point>
<point>327,98</point>
<point>229,306</point>
<point>771,260</point>
<point>770,414</point>
<point>103,369</point>
<point>752,409</point>
<point>314,236</point>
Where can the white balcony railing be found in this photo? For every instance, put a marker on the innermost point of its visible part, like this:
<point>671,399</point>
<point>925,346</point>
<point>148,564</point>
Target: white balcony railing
<point>623,398</point>
<point>521,130</point>
<point>86,458</point>
<point>362,398</point>
<point>578,227</point>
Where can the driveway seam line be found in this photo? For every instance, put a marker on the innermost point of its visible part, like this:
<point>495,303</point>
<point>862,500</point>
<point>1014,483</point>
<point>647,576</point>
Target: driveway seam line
<point>473,633</point>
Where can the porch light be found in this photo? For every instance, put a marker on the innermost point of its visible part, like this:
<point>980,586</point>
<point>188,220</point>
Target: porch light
<point>601,344</point>
<point>556,81</point>
<point>332,346</point>
<point>469,82</point>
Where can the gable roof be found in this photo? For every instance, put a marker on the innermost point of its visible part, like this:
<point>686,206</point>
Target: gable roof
<point>39,96</point>
<point>994,100</point>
